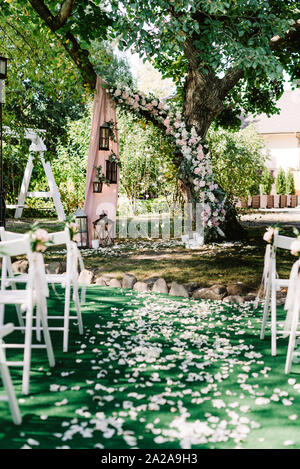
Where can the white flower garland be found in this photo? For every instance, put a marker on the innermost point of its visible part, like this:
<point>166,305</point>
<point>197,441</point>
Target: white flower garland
<point>195,165</point>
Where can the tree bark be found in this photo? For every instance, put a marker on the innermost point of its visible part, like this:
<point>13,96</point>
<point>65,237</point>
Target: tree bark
<point>204,100</point>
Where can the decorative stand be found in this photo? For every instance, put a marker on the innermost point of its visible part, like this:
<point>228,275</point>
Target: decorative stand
<point>37,145</point>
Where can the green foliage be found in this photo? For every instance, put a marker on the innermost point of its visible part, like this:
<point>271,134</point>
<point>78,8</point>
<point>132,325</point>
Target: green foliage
<point>222,34</point>
<point>146,157</point>
<point>280,183</point>
<point>290,183</point>
<point>111,67</point>
<point>238,160</point>
<point>266,182</point>
<point>69,168</point>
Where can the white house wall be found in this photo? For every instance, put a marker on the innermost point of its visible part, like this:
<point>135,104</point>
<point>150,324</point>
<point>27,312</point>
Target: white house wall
<point>284,151</point>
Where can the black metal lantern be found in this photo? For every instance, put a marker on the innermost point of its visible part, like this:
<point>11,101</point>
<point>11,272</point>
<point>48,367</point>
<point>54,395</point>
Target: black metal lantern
<point>97,186</point>
<point>111,172</point>
<point>3,76</point>
<point>3,68</point>
<point>82,222</point>
<point>104,137</point>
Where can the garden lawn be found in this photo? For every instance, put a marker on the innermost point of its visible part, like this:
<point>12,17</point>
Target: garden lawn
<point>154,371</point>
<point>217,263</point>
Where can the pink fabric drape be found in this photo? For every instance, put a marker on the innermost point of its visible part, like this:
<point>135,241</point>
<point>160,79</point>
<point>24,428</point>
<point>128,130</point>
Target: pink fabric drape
<point>103,111</point>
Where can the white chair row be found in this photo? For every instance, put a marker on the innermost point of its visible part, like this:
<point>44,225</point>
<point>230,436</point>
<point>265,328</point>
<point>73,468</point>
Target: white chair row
<point>6,379</point>
<point>34,299</point>
<point>272,284</point>
<point>69,279</point>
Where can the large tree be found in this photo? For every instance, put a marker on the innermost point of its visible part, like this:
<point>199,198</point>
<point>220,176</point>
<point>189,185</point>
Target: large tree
<point>227,57</point>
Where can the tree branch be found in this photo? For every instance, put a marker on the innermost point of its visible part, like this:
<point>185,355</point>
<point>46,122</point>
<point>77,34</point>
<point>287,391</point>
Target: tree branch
<point>79,56</point>
<point>54,22</point>
<point>291,37</point>
<point>64,13</point>
<point>277,43</point>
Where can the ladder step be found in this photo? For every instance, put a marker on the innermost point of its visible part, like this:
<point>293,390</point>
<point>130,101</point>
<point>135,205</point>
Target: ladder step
<point>23,346</point>
<point>39,194</point>
<point>61,317</point>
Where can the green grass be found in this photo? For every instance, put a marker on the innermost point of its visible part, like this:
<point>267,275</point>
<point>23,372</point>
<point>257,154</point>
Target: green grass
<point>153,371</point>
<point>221,263</point>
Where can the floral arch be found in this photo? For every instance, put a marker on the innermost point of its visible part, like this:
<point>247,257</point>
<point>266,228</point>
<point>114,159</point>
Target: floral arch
<point>195,165</point>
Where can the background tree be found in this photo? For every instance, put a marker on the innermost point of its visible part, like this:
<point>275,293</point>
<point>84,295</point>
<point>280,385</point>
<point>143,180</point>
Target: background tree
<point>147,170</point>
<point>290,183</point>
<point>280,183</point>
<point>266,182</point>
<point>238,160</point>
<point>226,57</point>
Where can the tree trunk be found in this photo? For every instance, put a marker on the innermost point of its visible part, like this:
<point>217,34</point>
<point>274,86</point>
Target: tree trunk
<point>202,103</point>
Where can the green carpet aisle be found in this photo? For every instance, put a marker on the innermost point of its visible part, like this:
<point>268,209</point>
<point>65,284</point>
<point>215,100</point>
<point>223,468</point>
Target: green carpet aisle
<point>152,371</point>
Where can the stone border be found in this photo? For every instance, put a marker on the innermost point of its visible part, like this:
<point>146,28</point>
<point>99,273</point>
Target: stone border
<point>234,293</point>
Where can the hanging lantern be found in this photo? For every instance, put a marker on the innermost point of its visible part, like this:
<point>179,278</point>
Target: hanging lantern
<point>97,186</point>
<point>111,172</point>
<point>82,221</point>
<point>104,137</point>
<point>3,68</point>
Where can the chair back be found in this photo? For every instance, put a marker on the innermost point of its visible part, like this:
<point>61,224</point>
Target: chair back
<point>15,247</point>
<point>6,329</point>
<point>282,242</point>
<point>60,237</point>
<point>9,235</point>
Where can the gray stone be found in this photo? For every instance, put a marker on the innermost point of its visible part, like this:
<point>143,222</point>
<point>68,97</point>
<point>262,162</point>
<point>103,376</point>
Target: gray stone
<point>86,276</point>
<point>236,289</point>
<point>234,299</point>
<point>150,281</point>
<point>100,281</point>
<point>103,279</point>
<point>250,296</point>
<point>55,267</point>
<point>140,287</point>
<point>128,281</point>
<point>178,290</point>
<point>208,294</point>
<point>192,286</point>
<point>115,283</point>
<point>218,289</point>
<point>280,301</point>
<point>20,267</point>
<point>160,286</point>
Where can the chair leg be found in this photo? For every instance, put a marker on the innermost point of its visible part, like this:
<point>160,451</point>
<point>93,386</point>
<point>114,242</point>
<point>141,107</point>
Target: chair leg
<point>78,310</point>
<point>10,392</point>
<point>292,341</point>
<point>27,351</point>
<point>83,294</point>
<point>1,314</point>
<point>273,321</point>
<point>47,338</point>
<point>266,311</point>
<point>18,308</point>
<point>66,317</point>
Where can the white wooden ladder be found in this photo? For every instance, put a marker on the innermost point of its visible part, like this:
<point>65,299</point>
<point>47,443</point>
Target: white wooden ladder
<point>37,145</point>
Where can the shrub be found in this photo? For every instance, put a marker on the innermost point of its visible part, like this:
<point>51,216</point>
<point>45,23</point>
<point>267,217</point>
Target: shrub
<point>266,182</point>
<point>280,184</point>
<point>290,183</point>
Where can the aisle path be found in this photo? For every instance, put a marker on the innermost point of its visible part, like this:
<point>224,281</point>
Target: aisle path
<point>158,372</point>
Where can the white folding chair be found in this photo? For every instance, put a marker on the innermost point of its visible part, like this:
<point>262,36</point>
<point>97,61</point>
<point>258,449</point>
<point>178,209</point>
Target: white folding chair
<point>69,280</point>
<point>6,379</point>
<point>30,299</point>
<point>272,285</point>
<point>292,305</point>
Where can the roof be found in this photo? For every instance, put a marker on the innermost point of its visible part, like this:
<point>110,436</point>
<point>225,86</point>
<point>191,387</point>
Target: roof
<point>288,121</point>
